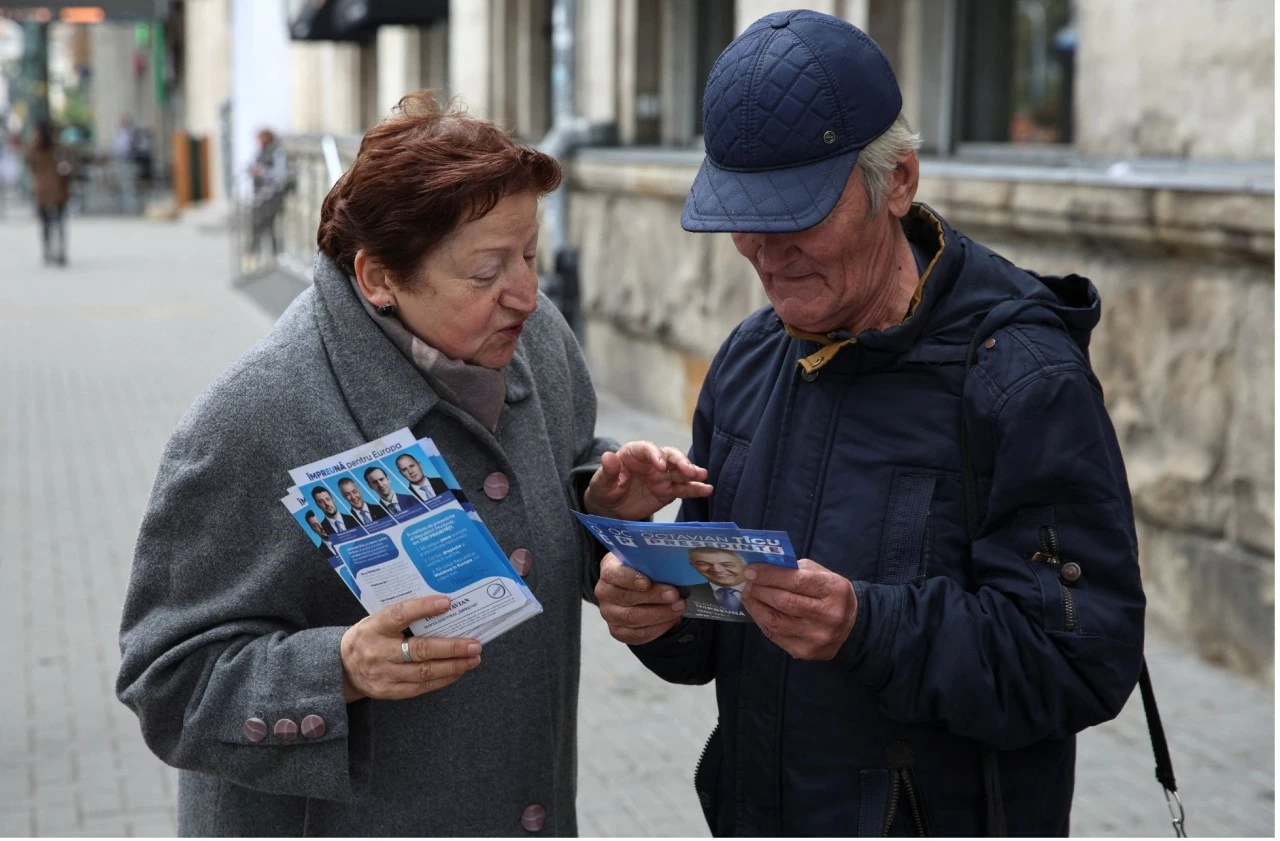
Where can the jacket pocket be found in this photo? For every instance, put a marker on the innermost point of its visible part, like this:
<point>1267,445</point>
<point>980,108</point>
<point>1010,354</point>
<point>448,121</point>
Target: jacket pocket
<point>1056,573</point>
<point>1086,560</point>
<point>906,543</point>
<point>725,463</point>
<point>873,802</point>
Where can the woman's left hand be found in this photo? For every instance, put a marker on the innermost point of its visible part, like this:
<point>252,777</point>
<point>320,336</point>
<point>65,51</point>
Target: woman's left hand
<point>640,479</point>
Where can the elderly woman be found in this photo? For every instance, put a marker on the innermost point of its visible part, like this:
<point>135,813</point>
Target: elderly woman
<point>249,664</point>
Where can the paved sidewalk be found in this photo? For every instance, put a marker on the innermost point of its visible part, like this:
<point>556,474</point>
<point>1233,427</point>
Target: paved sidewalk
<point>98,361</point>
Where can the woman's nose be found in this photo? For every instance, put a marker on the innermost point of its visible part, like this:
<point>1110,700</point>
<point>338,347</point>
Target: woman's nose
<point>522,294</point>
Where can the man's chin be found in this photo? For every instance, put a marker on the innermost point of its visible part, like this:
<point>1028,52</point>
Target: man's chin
<point>803,315</point>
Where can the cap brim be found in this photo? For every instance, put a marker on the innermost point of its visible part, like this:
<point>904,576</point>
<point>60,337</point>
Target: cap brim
<point>771,201</point>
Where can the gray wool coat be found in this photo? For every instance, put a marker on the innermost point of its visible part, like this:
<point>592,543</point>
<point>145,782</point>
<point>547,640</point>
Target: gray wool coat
<point>232,614</point>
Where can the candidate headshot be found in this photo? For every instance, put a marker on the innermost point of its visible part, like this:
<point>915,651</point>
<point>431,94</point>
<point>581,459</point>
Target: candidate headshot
<point>333,522</point>
<point>719,566</point>
<point>396,503</point>
<point>726,574</point>
<point>313,522</point>
<point>424,487</point>
<point>364,513</point>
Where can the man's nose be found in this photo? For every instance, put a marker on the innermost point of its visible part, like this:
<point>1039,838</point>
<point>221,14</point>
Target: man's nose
<point>775,252</point>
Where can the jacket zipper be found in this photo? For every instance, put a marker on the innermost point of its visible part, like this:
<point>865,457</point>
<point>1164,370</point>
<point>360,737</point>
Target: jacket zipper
<point>704,797</point>
<point>902,782</point>
<point>893,803</point>
<point>899,756</point>
<point>917,816</point>
<point>1049,554</point>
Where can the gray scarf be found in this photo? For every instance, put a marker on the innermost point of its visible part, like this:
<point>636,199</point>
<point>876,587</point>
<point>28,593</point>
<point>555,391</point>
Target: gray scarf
<point>478,391</point>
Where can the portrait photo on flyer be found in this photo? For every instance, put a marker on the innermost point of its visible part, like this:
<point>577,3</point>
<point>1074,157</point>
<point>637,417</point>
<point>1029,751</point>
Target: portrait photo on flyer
<point>706,562</point>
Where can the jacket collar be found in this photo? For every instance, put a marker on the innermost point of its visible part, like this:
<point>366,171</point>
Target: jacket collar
<point>384,391</point>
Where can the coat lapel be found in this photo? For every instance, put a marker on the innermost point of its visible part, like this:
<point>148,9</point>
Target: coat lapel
<point>383,390</point>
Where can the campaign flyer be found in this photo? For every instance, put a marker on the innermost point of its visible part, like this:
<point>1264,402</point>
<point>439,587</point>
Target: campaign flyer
<point>384,518</point>
<point>706,562</point>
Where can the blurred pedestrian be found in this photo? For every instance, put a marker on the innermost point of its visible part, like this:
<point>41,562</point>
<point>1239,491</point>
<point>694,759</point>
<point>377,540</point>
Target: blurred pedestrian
<point>49,173</point>
<point>270,173</point>
<point>10,167</point>
<point>124,166</point>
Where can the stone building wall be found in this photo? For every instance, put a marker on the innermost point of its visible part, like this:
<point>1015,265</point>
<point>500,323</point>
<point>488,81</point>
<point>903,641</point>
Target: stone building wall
<point>1178,78</point>
<point>1185,350</point>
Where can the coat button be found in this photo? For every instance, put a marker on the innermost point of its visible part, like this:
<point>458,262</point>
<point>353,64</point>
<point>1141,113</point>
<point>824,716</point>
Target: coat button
<point>533,818</point>
<point>313,727</point>
<point>522,560</point>
<point>809,376</point>
<point>1071,572</point>
<point>496,486</point>
<point>255,729</point>
<point>286,729</point>
<point>989,344</point>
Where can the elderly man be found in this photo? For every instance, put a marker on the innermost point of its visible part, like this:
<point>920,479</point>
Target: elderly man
<point>922,419</point>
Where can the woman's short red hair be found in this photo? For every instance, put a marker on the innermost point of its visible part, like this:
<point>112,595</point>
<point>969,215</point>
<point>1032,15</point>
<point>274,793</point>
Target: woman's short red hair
<point>419,174</point>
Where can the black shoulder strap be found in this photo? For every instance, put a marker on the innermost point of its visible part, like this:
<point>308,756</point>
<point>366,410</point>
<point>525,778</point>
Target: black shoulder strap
<point>996,822</point>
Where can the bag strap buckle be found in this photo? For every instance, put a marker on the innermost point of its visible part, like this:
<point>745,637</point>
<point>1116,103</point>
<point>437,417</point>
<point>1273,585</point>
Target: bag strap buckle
<point>1177,814</point>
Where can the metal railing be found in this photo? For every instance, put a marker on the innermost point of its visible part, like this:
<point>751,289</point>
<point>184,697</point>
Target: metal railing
<point>275,229</point>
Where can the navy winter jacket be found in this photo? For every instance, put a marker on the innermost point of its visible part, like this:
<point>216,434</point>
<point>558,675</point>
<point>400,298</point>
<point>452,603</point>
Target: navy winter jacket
<point>1017,639</point>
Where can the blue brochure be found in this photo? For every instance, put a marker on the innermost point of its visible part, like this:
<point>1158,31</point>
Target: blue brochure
<point>391,520</point>
<point>706,562</point>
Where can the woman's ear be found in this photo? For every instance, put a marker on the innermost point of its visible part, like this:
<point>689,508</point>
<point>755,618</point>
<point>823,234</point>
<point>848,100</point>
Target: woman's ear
<point>375,281</point>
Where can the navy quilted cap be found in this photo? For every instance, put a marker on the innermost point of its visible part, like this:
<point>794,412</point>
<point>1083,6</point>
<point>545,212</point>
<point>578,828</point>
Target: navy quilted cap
<point>788,107</point>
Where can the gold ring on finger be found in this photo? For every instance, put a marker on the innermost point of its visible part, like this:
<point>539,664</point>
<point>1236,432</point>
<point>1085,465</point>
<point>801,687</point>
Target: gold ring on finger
<point>404,651</point>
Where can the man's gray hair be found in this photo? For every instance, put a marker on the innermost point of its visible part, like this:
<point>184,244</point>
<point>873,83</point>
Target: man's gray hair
<point>881,157</point>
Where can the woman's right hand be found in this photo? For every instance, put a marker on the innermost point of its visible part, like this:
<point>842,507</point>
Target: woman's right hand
<point>373,661</point>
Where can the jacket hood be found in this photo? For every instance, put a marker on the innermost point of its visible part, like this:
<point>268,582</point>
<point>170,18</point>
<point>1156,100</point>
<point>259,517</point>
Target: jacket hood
<point>970,289</point>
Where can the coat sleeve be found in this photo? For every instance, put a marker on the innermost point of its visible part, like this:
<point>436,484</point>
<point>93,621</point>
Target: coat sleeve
<point>1022,654</point>
<point>214,629</point>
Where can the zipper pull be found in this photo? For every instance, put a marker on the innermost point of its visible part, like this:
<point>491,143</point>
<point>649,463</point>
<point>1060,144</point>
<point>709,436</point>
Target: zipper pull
<point>1070,571</point>
<point>1048,553</point>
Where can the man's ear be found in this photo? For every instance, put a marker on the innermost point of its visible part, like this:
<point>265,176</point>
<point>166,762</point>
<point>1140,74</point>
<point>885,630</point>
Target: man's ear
<point>904,183</point>
<point>375,281</point>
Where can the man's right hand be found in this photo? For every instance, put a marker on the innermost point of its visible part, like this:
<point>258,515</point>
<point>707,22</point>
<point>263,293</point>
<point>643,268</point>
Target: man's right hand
<point>636,609</point>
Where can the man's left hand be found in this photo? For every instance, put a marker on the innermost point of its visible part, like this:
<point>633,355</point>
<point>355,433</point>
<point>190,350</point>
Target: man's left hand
<point>807,612</point>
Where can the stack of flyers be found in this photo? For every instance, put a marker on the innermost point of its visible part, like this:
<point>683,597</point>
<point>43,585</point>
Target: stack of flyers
<point>706,562</point>
<point>392,521</point>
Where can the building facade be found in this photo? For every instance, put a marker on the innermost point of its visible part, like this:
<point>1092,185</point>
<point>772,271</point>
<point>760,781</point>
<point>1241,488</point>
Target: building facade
<point>1132,142</point>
